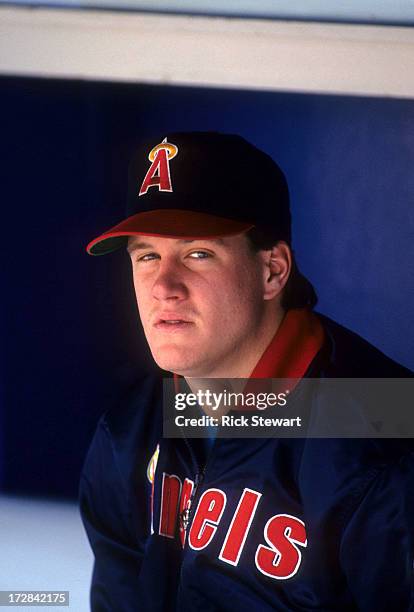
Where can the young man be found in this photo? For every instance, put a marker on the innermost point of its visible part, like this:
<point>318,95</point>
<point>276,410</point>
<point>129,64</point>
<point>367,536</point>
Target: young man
<point>230,524</point>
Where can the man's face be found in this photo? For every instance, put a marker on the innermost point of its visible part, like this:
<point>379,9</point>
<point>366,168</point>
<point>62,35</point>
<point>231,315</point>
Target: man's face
<point>200,301</point>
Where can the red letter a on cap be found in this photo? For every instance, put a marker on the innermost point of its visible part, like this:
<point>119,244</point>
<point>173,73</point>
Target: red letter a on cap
<point>158,174</point>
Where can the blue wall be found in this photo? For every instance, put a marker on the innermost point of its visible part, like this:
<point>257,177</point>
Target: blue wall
<point>72,343</point>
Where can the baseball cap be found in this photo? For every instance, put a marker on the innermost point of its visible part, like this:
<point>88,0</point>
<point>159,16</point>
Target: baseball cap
<point>200,185</point>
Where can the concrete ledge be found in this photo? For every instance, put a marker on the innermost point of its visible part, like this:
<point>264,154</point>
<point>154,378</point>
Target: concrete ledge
<point>208,51</point>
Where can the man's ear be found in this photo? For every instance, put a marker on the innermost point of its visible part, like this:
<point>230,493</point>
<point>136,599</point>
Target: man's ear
<point>277,266</point>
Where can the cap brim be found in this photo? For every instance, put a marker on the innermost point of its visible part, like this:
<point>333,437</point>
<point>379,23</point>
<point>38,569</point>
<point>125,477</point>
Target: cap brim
<point>168,223</point>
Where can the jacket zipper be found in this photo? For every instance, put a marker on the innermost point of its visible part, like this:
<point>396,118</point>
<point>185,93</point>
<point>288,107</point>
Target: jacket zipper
<point>187,513</point>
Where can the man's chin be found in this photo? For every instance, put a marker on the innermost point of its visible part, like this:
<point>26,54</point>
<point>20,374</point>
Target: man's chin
<point>177,361</point>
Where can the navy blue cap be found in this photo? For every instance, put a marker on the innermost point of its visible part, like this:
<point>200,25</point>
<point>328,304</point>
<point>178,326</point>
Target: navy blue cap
<point>200,185</point>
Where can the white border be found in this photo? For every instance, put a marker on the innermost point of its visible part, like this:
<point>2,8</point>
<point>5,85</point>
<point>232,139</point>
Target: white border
<point>208,51</point>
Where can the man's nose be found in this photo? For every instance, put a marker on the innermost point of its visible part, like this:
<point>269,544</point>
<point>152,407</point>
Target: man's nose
<point>169,283</point>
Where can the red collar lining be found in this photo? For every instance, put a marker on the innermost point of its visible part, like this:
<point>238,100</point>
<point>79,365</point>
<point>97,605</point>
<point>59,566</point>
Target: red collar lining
<point>294,346</point>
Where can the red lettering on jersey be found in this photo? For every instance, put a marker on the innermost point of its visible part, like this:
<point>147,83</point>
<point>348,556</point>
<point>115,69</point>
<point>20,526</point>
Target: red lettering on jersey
<point>184,508</point>
<point>207,516</point>
<point>239,527</point>
<point>158,174</point>
<point>170,495</point>
<point>282,558</point>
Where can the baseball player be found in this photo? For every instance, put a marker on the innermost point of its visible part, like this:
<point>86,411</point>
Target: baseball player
<point>218,523</point>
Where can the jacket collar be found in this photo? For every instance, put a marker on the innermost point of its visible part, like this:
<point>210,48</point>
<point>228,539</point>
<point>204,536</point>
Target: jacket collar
<point>296,343</point>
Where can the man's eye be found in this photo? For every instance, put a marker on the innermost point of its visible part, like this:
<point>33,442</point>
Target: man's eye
<point>148,257</point>
<point>199,255</point>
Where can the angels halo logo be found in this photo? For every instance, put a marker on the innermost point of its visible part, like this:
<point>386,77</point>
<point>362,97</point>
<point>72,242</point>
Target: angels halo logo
<point>158,174</point>
<point>152,465</point>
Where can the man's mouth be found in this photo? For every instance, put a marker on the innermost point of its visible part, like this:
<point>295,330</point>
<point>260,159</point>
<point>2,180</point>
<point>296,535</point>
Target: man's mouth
<point>171,323</point>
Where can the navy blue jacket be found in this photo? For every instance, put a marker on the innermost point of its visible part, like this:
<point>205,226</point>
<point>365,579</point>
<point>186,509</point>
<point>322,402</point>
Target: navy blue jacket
<point>275,524</point>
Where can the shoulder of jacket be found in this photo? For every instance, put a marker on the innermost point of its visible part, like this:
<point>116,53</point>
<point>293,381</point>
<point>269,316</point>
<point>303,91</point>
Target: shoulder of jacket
<point>335,475</point>
<point>351,356</point>
<point>127,433</point>
<point>140,403</point>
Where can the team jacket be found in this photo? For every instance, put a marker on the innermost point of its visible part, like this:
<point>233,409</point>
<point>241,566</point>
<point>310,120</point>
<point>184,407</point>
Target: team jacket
<point>274,524</point>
